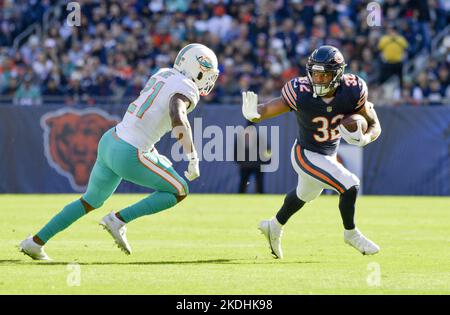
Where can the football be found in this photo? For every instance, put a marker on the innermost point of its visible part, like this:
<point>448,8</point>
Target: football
<point>350,122</point>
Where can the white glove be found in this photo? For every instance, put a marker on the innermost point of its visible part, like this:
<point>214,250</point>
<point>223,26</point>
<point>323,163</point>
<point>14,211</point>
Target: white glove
<point>250,106</point>
<point>356,137</point>
<point>193,170</point>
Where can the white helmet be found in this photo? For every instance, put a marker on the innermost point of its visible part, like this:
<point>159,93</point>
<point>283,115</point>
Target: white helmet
<point>198,63</point>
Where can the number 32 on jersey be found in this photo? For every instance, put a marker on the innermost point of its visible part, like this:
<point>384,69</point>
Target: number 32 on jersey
<point>324,131</point>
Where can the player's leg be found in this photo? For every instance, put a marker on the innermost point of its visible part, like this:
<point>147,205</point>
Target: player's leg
<point>347,201</point>
<point>102,183</point>
<point>153,171</point>
<point>149,170</point>
<point>307,190</point>
<point>334,175</point>
<point>292,203</point>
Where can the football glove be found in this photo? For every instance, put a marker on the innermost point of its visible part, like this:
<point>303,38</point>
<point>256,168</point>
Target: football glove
<point>356,137</point>
<point>250,106</point>
<point>193,170</point>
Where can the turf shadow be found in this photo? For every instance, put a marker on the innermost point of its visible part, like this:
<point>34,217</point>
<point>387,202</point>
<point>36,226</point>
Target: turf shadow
<point>10,261</point>
<point>179,262</point>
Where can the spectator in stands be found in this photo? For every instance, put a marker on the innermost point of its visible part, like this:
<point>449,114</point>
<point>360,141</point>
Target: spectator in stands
<point>134,88</point>
<point>423,22</point>
<point>406,96</point>
<point>444,78</point>
<point>355,68</point>
<point>52,91</point>
<point>393,47</point>
<point>75,92</point>
<point>266,40</point>
<point>445,49</point>
<point>5,72</point>
<point>421,88</point>
<point>11,87</point>
<point>435,96</point>
<point>42,66</point>
<point>220,23</point>
<point>28,93</point>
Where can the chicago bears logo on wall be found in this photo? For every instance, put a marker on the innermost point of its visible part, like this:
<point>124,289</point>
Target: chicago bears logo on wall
<point>70,141</point>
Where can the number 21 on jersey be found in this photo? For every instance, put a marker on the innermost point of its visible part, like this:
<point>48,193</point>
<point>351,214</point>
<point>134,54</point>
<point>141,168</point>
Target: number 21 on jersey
<point>325,133</point>
<point>145,100</point>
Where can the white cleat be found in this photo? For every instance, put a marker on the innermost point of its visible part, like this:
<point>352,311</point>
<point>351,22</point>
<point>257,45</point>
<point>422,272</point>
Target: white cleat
<point>118,231</point>
<point>33,250</point>
<point>356,239</point>
<point>273,231</point>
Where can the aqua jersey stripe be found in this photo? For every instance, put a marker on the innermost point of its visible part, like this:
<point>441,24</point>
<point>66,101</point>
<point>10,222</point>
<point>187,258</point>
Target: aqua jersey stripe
<point>183,51</point>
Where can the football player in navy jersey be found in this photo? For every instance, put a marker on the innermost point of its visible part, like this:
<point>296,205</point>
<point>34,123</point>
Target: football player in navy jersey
<point>319,102</point>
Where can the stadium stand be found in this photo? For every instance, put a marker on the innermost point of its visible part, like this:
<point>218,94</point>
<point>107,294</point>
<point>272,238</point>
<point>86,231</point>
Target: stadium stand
<point>260,45</point>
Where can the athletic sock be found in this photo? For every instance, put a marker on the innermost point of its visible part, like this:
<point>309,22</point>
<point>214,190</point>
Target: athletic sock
<point>69,214</point>
<point>347,207</point>
<point>290,206</point>
<point>154,203</point>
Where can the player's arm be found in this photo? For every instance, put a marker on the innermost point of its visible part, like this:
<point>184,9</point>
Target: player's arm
<point>178,106</point>
<point>257,112</point>
<point>178,114</point>
<point>374,127</point>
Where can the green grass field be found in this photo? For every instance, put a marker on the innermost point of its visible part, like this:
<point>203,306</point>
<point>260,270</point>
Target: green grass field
<point>209,244</point>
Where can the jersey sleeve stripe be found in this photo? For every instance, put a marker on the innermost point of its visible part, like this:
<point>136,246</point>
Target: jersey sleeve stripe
<point>361,101</point>
<point>358,107</point>
<point>363,94</point>
<point>288,93</point>
<point>291,90</point>
<point>288,99</point>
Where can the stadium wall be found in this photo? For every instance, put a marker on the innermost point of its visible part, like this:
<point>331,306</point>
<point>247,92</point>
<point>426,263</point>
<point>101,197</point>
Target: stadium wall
<point>50,149</point>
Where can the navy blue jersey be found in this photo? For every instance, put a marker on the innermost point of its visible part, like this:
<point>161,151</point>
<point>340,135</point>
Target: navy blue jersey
<point>317,120</point>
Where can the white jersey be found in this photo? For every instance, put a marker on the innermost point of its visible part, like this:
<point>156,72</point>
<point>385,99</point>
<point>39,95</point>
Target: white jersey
<point>147,118</point>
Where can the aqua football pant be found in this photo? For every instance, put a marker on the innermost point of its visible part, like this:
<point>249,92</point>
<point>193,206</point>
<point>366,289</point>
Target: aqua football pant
<point>117,160</point>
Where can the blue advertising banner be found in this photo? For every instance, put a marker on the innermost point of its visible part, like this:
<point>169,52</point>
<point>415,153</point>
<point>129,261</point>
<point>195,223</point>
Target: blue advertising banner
<point>48,149</point>
<point>412,155</point>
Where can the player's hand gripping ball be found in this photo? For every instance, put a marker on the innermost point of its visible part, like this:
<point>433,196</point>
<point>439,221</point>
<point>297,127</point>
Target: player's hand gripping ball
<point>353,128</point>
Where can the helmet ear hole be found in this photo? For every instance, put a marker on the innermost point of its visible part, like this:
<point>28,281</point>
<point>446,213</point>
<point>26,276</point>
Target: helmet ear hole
<point>200,76</point>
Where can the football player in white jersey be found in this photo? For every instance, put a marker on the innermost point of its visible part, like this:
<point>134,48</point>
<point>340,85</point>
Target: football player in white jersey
<point>128,151</point>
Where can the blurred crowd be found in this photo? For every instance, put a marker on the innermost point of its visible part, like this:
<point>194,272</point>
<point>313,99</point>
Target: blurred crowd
<point>260,45</point>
